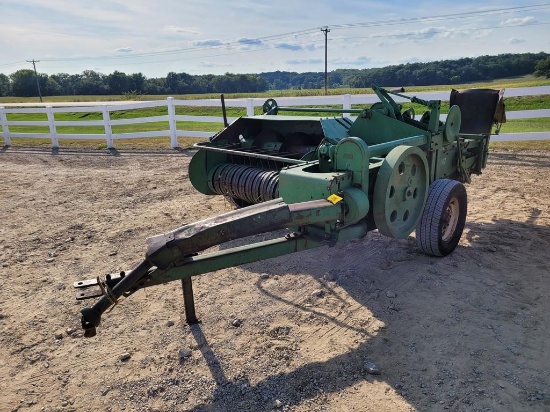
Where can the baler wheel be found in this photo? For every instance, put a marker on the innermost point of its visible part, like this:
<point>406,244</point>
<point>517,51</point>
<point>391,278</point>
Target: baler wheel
<point>400,191</point>
<point>443,219</point>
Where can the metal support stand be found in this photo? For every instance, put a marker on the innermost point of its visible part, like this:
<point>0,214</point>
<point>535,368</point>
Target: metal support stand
<point>189,301</point>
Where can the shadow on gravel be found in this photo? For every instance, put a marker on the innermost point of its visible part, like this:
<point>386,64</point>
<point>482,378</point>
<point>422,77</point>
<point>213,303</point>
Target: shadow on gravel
<point>465,332</point>
<point>208,354</point>
<point>528,159</point>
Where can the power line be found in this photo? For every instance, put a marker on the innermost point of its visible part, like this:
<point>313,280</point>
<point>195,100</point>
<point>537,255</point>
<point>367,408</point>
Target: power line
<point>242,42</point>
<point>449,31</point>
<point>263,42</point>
<point>259,49</point>
<point>12,64</point>
<point>453,16</point>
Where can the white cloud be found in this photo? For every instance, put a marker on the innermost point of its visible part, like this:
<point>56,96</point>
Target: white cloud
<point>208,43</point>
<point>124,50</point>
<point>289,46</point>
<point>518,21</point>
<point>479,34</point>
<point>180,30</point>
<point>250,42</point>
<point>515,40</point>
<point>305,61</point>
<point>357,61</point>
<point>420,34</point>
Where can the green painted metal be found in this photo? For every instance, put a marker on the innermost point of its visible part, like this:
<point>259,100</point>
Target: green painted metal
<point>317,110</point>
<point>332,179</point>
<point>335,129</point>
<point>209,262</point>
<point>375,127</point>
<point>352,154</point>
<point>306,182</point>
<point>382,149</point>
<point>400,191</point>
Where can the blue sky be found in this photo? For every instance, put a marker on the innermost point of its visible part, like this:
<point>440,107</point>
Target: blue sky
<point>252,36</point>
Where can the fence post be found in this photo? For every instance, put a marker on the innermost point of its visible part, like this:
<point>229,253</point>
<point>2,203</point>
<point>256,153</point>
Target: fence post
<point>172,123</point>
<point>53,130</point>
<point>250,107</point>
<point>5,128</point>
<point>347,104</point>
<point>107,126</point>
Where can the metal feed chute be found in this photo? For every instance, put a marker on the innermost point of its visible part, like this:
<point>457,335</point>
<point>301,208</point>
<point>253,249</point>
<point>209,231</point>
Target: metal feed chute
<point>325,178</point>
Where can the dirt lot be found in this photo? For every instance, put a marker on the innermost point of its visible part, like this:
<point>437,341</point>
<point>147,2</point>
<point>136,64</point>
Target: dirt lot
<point>469,332</point>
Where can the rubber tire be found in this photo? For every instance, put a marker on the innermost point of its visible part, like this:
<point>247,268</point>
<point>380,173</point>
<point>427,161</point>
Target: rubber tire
<point>429,232</point>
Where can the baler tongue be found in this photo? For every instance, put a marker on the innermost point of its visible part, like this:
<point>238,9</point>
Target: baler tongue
<point>174,249</point>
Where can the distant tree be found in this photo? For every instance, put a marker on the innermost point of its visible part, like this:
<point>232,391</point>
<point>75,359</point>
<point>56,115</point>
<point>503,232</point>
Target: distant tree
<point>334,79</point>
<point>4,85</point>
<point>23,83</point>
<point>117,82</point>
<point>172,82</point>
<point>136,82</point>
<point>155,86</point>
<point>51,87</point>
<point>278,84</point>
<point>543,68</point>
<point>204,84</point>
<point>92,83</point>
<point>185,84</point>
<point>69,83</point>
<point>222,84</point>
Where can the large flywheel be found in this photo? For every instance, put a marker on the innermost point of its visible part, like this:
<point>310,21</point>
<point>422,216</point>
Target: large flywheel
<point>400,191</point>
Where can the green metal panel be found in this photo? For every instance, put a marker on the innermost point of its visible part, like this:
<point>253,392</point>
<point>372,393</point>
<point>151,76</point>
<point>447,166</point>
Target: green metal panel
<point>375,128</point>
<point>352,154</point>
<point>305,182</point>
<point>336,129</point>
<point>199,167</point>
<point>447,162</point>
<point>383,149</point>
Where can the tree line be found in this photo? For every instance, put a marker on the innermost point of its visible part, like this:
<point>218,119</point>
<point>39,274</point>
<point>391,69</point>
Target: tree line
<point>465,70</point>
<point>22,83</point>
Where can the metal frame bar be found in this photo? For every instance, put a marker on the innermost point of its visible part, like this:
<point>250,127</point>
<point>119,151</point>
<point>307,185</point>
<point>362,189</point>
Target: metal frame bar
<point>204,146</point>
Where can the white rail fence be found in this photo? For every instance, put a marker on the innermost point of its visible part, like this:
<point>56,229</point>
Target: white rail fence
<point>171,119</point>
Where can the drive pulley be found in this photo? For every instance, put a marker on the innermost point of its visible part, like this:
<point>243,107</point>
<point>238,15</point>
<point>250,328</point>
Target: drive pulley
<point>400,191</point>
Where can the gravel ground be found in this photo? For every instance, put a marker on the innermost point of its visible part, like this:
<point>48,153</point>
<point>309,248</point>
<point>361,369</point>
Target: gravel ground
<point>367,325</point>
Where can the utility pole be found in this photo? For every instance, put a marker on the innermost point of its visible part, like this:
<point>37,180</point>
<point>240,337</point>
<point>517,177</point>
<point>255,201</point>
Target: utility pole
<point>325,30</point>
<point>36,75</point>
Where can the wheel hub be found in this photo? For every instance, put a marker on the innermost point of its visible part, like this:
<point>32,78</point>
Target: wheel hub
<point>450,220</point>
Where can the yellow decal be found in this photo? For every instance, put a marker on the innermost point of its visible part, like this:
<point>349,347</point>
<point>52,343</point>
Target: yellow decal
<point>334,199</point>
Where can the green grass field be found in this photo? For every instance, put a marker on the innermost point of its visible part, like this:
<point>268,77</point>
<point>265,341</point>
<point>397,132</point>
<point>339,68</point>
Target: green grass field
<point>512,104</point>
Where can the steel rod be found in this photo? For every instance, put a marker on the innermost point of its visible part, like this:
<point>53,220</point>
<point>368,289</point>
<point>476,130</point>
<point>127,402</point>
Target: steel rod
<point>189,301</point>
<point>250,154</point>
<point>319,110</point>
